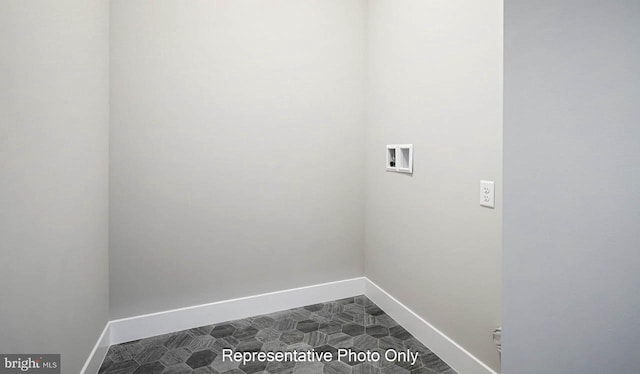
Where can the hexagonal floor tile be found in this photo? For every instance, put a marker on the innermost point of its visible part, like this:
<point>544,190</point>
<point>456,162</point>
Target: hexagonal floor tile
<point>244,322</point>
<point>377,331</point>
<point>252,345</point>
<point>222,331</point>
<point>353,329</point>
<point>291,336</point>
<point>284,324</point>
<point>202,330</point>
<point>274,346</point>
<point>299,314</point>
<point>343,318</point>
<point>175,356</point>
<point>374,310</point>
<point>331,327</point>
<point>308,368</point>
<point>315,338</point>
<point>124,352</point>
<point>365,368</point>
<point>300,347</point>
<point>181,368</point>
<point>220,365</point>
<point>201,358</point>
<point>365,342</point>
<point>205,370</point>
<point>285,367</point>
<point>389,342</point>
<point>314,307</point>
<point>327,348</point>
<point>268,335</point>
<point>150,368</point>
<point>221,344</point>
<point>321,317</point>
<point>362,300</point>
<point>253,367</point>
<point>365,319</point>
<point>333,307</point>
<point>336,367</point>
<point>399,332</point>
<point>354,309</point>
<point>394,369</point>
<point>179,340</point>
<point>409,365</point>
<point>385,320</point>
<point>307,325</point>
<point>262,322</point>
<point>124,367</point>
<point>201,342</point>
<point>340,340</point>
<point>245,333</point>
<point>150,354</point>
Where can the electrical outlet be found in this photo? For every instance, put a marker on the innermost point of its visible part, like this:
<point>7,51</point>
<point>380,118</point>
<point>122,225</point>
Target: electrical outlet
<point>487,194</point>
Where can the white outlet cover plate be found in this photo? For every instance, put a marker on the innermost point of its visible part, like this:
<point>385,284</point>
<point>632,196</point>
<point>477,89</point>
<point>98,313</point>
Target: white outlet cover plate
<point>487,194</point>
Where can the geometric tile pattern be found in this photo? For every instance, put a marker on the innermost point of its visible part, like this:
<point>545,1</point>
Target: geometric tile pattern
<point>354,323</point>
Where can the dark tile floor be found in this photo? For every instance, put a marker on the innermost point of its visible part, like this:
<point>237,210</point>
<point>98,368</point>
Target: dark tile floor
<point>354,323</point>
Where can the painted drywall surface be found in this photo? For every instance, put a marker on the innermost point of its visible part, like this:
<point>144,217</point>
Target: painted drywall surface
<point>572,207</point>
<point>434,81</point>
<point>54,116</point>
<point>236,149</point>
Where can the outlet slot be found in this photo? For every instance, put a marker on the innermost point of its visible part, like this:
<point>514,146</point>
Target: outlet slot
<point>391,158</point>
<point>404,164</point>
<point>404,159</point>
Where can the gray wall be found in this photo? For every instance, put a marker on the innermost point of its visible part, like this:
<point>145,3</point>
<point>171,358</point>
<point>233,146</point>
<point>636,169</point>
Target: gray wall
<point>572,187</point>
<point>53,177</point>
<point>434,75</point>
<point>236,149</point>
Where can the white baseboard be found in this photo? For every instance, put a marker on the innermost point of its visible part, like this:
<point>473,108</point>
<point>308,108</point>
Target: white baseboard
<point>139,327</point>
<point>127,329</point>
<point>98,353</point>
<point>448,350</point>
